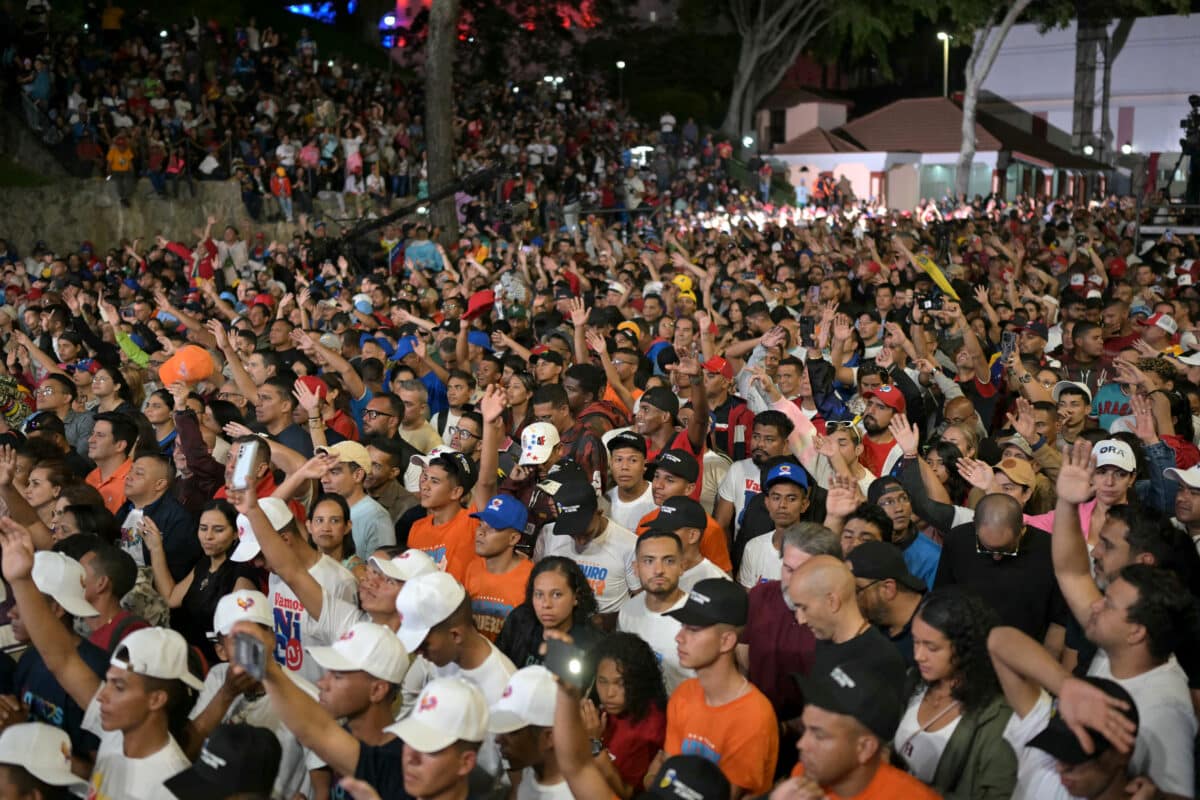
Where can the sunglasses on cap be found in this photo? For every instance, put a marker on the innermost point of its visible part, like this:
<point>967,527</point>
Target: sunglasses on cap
<point>844,425</point>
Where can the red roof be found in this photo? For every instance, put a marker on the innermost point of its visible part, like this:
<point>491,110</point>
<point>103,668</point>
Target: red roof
<point>816,140</point>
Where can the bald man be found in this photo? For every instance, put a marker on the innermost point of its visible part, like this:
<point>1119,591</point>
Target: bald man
<point>825,596</point>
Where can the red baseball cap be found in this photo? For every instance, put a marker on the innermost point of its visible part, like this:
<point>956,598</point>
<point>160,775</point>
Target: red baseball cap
<point>479,304</point>
<point>716,365</point>
<point>315,385</point>
<point>890,396</point>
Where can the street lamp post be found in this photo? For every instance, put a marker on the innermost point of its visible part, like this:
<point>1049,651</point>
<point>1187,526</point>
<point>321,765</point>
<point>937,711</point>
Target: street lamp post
<point>621,81</point>
<point>945,38</point>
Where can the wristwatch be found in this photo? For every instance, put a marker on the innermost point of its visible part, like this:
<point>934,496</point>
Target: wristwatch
<point>597,747</point>
<point>1026,378</point>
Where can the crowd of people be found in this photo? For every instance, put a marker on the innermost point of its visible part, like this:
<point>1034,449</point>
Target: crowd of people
<point>724,501</point>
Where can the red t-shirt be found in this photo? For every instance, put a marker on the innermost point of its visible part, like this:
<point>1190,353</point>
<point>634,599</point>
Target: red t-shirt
<point>102,636</point>
<point>779,648</point>
<point>874,456</point>
<point>632,745</point>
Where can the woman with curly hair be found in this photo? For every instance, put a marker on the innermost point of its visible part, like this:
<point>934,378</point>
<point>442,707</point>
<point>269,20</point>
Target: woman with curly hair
<point>557,597</point>
<point>626,715</point>
<point>952,734</point>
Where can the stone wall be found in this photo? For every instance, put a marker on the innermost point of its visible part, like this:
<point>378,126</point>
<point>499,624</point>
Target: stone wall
<point>23,146</point>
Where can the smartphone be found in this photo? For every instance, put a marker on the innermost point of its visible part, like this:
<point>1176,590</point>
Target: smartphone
<point>250,654</point>
<point>243,468</point>
<point>568,662</point>
<point>1008,345</point>
<point>807,331</point>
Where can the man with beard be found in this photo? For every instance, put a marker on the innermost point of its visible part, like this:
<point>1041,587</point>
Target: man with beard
<point>659,563</point>
<point>769,439</point>
<point>731,415</point>
<point>384,481</point>
<point>881,453</point>
<point>888,594</point>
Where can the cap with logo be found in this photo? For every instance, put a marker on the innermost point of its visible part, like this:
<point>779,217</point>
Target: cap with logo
<point>1162,321</point>
<point>458,465</point>
<point>627,440</point>
<point>1018,471</point>
<point>236,760</point>
<point>1061,386</point>
<point>242,605</point>
<point>661,398</point>
<point>689,778</point>
<point>679,512</point>
<point>1114,453</point>
<point>538,441</point>
<point>881,561</point>
<point>714,601</point>
<point>561,472</point>
<point>1036,328</point>
<point>1018,441</point>
<point>405,566</point>
<point>349,453</point>
<point>786,473</point>
<point>853,690</point>
<point>679,463</point>
<point>366,647</point>
<point>1060,742</point>
<point>882,485</point>
<point>719,366</point>
<point>278,514</point>
<point>423,461</point>
<point>447,710</point>
<point>889,395</point>
<point>44,751</point>
<point>504,511</point>
<point>1189,477</point>
<point>528,699</point>
<point>426,601</point>
<point>61,577</point>
<point>576,504</point>
<point>156,653</point>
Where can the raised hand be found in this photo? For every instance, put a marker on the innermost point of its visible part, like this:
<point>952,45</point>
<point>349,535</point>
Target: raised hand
<point>1085,706</point>
<point>17,542</point>
<point>579,313</point>
<point>703,322</point>
<point>906,435</point>
<point>825,446</point>
<point>179,392</point>
<point>235,429</point>
<point>885,358</point>
<point>596,343</point>
<point>218,332</point>
<point>976,472</point>
<point>8,465</point>
<point>306,397</point>
<point>594,720</point>
<point>316,467</point>
<point>1143,414</point>
<point>492,404</point>
<point>981,295</point>
<point>1024,421</point>
<point>843,497</point>
<point>151,535</point>
<point>1075,476</point>
<point>842,327</point>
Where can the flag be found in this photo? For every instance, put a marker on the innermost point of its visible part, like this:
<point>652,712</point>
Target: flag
<point>931,269</point>
<point>396,258</point>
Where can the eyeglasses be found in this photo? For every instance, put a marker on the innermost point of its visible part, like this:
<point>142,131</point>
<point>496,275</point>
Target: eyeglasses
<point>371,413</point>
<point>984,550</point>
<point>45,392</point>
<point>861,589</point>
<point>457,431</point>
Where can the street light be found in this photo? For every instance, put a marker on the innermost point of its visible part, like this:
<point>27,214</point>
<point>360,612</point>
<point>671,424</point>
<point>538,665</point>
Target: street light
<point>747,141</point>
<point>1126,149</point>
<point>1088,149</point>
<point>945,38</point>
<point>621,81</point>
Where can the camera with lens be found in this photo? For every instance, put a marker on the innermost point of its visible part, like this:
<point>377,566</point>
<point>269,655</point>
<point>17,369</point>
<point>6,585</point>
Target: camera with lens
<point>929,302</point>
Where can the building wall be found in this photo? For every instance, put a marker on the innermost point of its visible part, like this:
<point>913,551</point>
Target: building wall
<point>1151,79</point>
<point>903,186</point>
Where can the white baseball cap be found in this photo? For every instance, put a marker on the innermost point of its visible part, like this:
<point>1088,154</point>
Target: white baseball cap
<point>243,605</point>
<point>423,602</point>
<point>366,647</point>
<point>1114,453</point>
<point>412,475</point>
<point>1189,477</point>
<point>537,441</point>
<point>156,653</point>
<point>44,751</point>
<point>406,565</point>
<point>528,699</point>
<point>61,577</point>
<point>1061,385</point>
<point>447,710</point>
<point>278,514</point>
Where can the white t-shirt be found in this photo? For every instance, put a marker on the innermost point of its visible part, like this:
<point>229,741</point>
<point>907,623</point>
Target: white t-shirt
<point>739,487</point>
<point>530,789</point>
<point>491,677</point>
<point>922,750</point>
<point>291,620</point>
<point>760,561</point>
<point>1037,770</point>
<point>292,777</point>
<point>1166,727</point>
<point>627,515</point>
<point>337,617</point>
<point>607,562</point>
<point>658,631</point>
<point>702,571</point>
<point>119,777</point>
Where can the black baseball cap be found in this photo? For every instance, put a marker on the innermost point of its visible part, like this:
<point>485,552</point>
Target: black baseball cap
<point>627,440</point>
<point>553,356</point>
<point>662,398</point>
<point>1058,740</point>
<point>854,690</point>
<point>562,472</point>
<point>714,601</point>
<point>679,512</point>
<point>678,462</point>
<point>576,504</point>
<point>881,486</point>
<point>689,778</point>
<point>462,467</point>
<point>880,561</point>
<point>236,759</point>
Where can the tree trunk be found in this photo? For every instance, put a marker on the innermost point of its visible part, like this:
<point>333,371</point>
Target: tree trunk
<point>983,55</point>
<point>1088,35</point>
<point>743,79</point>
<point>439,112</point>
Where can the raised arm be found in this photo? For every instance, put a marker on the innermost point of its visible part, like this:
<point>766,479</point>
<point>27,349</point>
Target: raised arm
<point>334,360</point>
<point>1068,546</point>
<point>245,383</point>
<point>597,344</point>
<point>18,507</point>
<point>491,407</point>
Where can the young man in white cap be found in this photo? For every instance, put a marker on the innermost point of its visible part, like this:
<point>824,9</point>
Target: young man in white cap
<point>364,671</point>
<point>522,723</point>
<point>35,762</point>
<point>230,696</point>
<point>147,686</point>
<point>60,580</point>
<point>442,738</point>
<point>291,618</point>
<point>436,623</point>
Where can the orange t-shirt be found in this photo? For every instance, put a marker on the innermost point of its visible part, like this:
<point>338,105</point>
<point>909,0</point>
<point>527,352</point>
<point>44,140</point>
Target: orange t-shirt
<point>493,597</point>
<point>611,395</point>
<point>452,545</point>
<point>741,737</point>
<point>112,488</point>
<point>888,783</point>
<point>713,545</point>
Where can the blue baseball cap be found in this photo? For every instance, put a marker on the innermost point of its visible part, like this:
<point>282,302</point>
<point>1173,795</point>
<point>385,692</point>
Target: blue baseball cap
<point>383,343</point>
<point>132,284</point>
<point>404,347</point>
<point>504,511</point>
<point>480,339</point>
<point>792,473</point>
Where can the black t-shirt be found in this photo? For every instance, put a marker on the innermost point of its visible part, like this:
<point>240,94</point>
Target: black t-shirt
<point>48,701</point>
<point>870,648</point>
<point>382,766</point>
<point>1022,588</point>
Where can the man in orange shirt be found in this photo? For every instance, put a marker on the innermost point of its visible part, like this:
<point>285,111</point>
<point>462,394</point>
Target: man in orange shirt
<point>109,446</point>
<point>676,473</point>
<point>850,717</point>
<point>719,715</point>
<point>496,577</point>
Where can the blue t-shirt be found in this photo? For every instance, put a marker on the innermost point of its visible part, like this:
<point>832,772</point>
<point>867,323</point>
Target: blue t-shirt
<point>438,401</point>
<point>921,557</point>
<point>1110,405</point>
<point>48,701</point>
